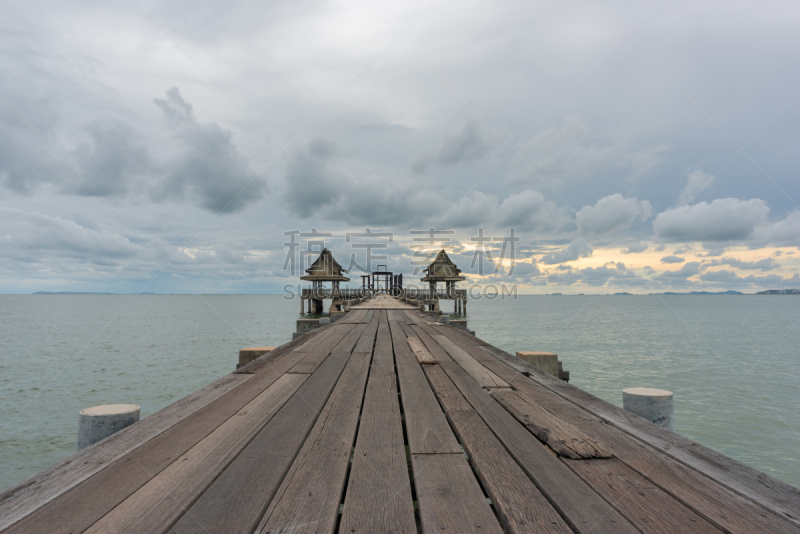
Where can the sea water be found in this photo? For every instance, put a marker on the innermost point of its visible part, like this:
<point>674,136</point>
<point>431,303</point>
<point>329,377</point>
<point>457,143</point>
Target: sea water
<point>731,361</point>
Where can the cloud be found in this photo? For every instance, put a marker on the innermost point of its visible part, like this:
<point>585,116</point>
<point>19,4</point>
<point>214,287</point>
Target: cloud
<point>767,264</point>
<point>636,248</point>
<point>730,279</point>
<point>572,151</point>
<point>698,180</point>
<point>529,210</point>
<point>785,233</point>
<point>211,167</point>
<point>33,238</point>
<point>579,248</point>
<point>727,219</point>
<point>316,186</point>
<point>688,270</point>
<point>472,211</point>
<point>612,274</point>
<point>471,144</point>
<point>672,259</point>
<point>611,213</point>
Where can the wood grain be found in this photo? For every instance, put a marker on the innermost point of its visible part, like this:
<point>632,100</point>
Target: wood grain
<point>90,500</point>
<point>483,376</point>
<point>420,352</point>
<point>650,509</point>
<point>520,505</point>
<point>450,498</point>
<point>308,499</point>
<point>577,503</point>
<point>166,495</point>
<point>21,500</point>
<point>426,425</point>
<point>562,437</point>
<point>238,497</point>
<point>378,496</point>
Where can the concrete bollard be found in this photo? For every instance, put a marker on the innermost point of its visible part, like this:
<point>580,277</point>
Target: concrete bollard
<point>249,354</point>
<point>655,405</point>
<point>99,422</point>
<point>544,361</point>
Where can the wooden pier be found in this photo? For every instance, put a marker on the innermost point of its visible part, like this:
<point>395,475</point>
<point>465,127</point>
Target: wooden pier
<point>389,422</point>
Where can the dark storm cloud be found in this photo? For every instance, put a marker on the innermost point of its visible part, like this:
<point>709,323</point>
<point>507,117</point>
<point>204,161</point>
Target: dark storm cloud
<point>211,169</point>
<point>471,144</point>
<point>635,248</point>
<point>678,276</point>
<point>317,184</point>
<point>611,213</point>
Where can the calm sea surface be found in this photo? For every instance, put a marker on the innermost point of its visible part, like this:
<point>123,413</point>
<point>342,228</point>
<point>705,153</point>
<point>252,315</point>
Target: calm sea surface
<point>732,361</point>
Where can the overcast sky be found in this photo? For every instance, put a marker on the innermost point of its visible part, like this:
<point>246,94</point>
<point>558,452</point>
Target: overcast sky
<point>174,147</point>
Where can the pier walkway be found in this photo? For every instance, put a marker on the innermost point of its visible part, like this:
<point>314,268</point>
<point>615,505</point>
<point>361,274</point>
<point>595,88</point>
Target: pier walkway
<point>389,422</point>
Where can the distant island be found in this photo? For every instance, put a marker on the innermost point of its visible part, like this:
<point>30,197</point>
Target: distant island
<point>84,293</point>
<point>779,292</point>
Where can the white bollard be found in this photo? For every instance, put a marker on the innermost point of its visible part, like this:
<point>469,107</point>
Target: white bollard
<point>100,422</point>
<point>655,405</point>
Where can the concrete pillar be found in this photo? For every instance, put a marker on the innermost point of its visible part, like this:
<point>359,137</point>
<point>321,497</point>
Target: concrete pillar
<point>655,405</point>
<point>249,354</point>
<point>99,422</point>
<point>465,305</point>
<point>302,306</point>
<point>544,361</point>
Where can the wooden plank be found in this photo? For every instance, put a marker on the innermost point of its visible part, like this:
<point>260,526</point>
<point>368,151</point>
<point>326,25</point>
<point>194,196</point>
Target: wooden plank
<point>367,339</point>
<point>90,500</point>
<point>20,500</point>
<point>343,340</point>
<point>578,504</point>
<point>562,437</point>
<point>418,348</point>
<point>520,505</point>
<point>483,376</point>
<point>717,504</point>
<point>772,495</point>
<point>236,501</point>
<point>426,426</point>
<point>650,509</point>
<point>308,499</point>
<point>450,498</point>
<point>300,344</point>
<point>378,496</point>
<point>436,351</point>
<point>159,503</point>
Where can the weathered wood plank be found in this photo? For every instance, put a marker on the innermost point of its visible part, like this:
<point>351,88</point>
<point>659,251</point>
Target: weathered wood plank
<point>90,500</point>
<point>308,499</point>
<point>367,339</point>
<point>378,496</point>
<point>166,495</point>
<point>20,500</point>
<point>650,509</point>
<point>301,344</point>
<point>342,340</point>
<point>562,437</point>
<point>717,504</point>
<point>418,330</point>
<point>418,348</point>
<point>755,485</point>
<point>450,498</point>
<point>427,428</point>
<point>236,500</point>
<point>578,504</point>
<point>483,376</point>
<point>520,505</point>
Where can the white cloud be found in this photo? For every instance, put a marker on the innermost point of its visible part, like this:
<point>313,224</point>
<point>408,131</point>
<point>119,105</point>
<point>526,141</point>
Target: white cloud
<point>529,210</point>
<point>726,219</point>
<point>611,213</point>
<point>698,180</point>
<point>579,248</point>
<point>573,151</point>
<point>472,211</point>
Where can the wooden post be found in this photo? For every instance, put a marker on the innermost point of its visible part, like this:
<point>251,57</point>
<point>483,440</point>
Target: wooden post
<point>302,306</point>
